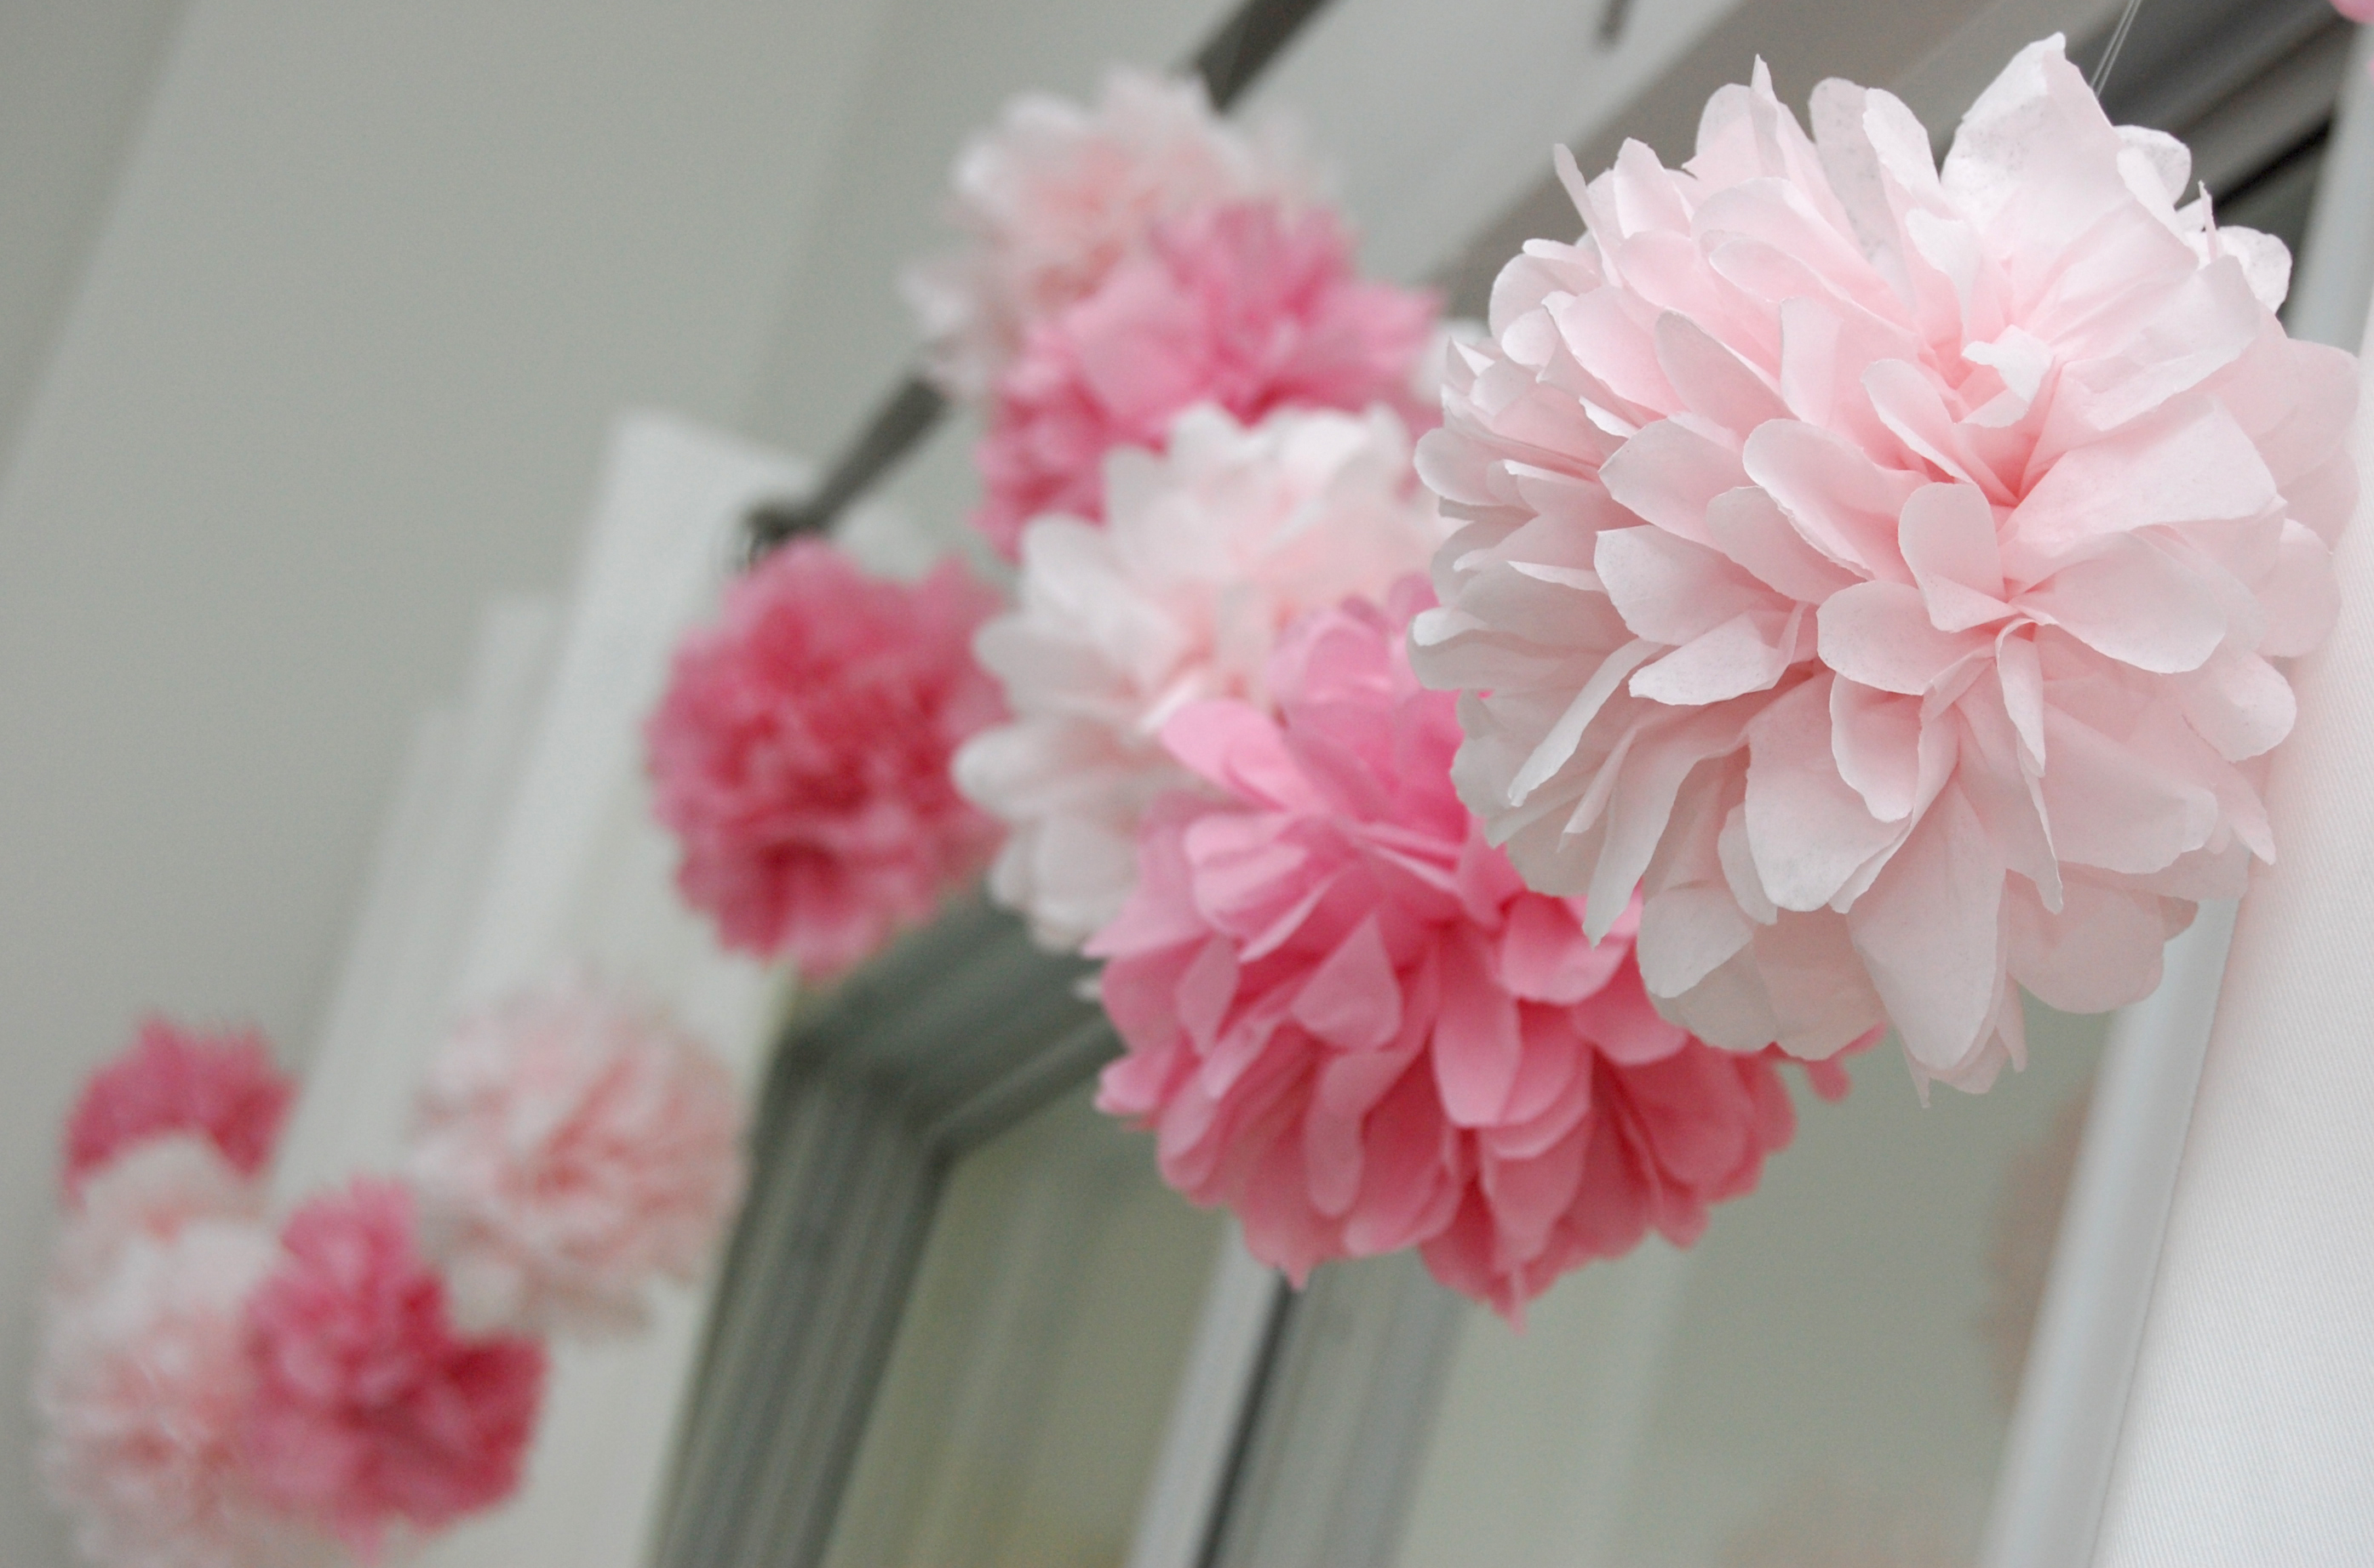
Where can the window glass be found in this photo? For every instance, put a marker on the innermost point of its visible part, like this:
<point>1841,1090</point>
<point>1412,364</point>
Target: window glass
<point>1826,1377</point>
<point>1026,1394</point>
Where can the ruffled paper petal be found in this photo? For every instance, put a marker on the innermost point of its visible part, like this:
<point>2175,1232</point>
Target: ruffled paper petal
<point>1124,660</point>
<point>1348,1019</point>
<point>1929,544</point>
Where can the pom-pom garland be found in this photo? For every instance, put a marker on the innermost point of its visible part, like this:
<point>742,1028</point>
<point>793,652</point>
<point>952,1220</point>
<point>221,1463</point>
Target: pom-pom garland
<point>223,1087</point>
<point>1350,1021</point>
<point>1058,195</point>
<point>1870,601</point>
<point>1886,566</point>
<point>800,755</point>
<point>1211,547</point>
<point>572,1147</point>
<point>212,1397</point>
<point>1250,308</point>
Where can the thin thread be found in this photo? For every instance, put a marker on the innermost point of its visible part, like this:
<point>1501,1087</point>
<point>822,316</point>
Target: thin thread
<point>2118,41</point>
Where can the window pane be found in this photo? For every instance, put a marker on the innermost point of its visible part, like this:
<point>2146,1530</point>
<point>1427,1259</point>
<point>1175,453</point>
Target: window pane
<point>1826,1377</point>
<point>1026,1394</point>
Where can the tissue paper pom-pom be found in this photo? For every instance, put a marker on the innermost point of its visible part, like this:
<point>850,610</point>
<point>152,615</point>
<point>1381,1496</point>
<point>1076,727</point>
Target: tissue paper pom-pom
<point>369,1411</point>
<point>1247,306</point>
<point>1350,1021</point>
<point>570,1146</point>
<point>1211,549</point>
<point>154,1192</point>
<point>1885,567</point>
<point>800,755</point>
<point>141,1388</point>
<point>175,1079</point>
<point>1056,195</point>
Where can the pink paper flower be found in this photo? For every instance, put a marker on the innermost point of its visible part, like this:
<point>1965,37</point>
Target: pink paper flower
<point>175,1079</point>
<point>369,1411</point>
<point>1211,549</point>
<point>142,1387</point>
<point>1249,307</point>
<point>800,755</point>
<point>1888,566</point>
<point>1056,195</point>
<point>1348,1019</point>
<point>153,1193</point>
<point>571,1146</point>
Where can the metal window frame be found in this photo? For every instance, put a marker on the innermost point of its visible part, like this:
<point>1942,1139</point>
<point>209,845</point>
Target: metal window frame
<point>959,1032</point>
<point>1314,1405</point>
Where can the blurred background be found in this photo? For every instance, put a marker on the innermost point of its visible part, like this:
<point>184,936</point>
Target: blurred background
<point>314,321</point>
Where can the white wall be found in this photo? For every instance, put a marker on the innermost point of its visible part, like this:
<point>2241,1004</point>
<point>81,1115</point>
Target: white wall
<point>75,84</point>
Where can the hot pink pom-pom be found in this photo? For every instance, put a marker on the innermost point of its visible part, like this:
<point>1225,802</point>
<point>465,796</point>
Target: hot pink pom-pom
<point>572,1147</point>
<point>1348,1019</point>
<point>222,1086</point>
<point>142,1389</point>
<point>800,755</point>
<point>1056,195</point>
<point>368,1409</point>
<point>1888,568</point>
<point>1248,306</point>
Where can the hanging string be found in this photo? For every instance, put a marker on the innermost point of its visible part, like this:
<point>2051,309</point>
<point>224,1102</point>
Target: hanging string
<point>2118,41</point>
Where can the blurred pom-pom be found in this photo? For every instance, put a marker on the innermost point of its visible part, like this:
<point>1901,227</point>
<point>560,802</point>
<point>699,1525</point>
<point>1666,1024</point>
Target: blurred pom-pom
<point>370,1413</point>
<point>1250,308</point>
<point>572,1147</point>
<point>141,1388</point>
<point>1056,195</point>
<point>221,1086</point>
<point>800,755</point>
<point>154,1192</point>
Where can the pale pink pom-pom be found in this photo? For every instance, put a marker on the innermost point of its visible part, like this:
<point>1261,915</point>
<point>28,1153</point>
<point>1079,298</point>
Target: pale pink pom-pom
<point>571,1145</point>
<point>1250,307</point>
<point>800,755</point>
<point>369,1411</point>
<point>1056,195</point>
<point>2356,10</point>
<point>1348,1020</point>
<point>154,1192</point>
<point>1210,548</point>
<point>223,1086</point>
<point>141,1388</point>
<point>1888,568</point>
